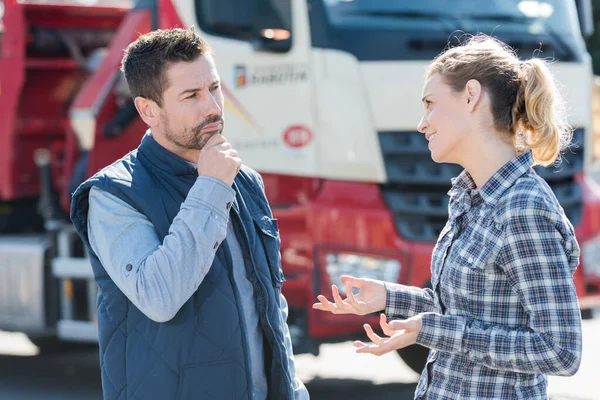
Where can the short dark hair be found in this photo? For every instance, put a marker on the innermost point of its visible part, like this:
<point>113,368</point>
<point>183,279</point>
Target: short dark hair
<point>146,60</point>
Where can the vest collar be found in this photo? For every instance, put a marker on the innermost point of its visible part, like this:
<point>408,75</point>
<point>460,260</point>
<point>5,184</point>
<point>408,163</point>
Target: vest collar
<point>162,158</point>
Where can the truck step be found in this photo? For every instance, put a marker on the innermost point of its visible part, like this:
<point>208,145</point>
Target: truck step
<point>78,331</point>
<point>72,268</point>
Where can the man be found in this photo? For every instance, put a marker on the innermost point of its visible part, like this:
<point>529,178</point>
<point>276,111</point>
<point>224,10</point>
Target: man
<point>183,245</point>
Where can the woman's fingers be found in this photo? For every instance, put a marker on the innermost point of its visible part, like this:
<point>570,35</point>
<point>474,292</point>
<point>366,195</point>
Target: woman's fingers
<point>350,296</point>
<point>339,306</point>
<point>357,282</point>
<point>342,304</point>
<point>372,335</point>
<point>385,327</point>
<point>325,305</point>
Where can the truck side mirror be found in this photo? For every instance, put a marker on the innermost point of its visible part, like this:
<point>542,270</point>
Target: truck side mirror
<point>586,17</point>
<point>273,40</point>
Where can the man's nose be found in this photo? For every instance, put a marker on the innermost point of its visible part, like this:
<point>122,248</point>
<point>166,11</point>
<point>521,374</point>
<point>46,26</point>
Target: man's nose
<point>210,105</point>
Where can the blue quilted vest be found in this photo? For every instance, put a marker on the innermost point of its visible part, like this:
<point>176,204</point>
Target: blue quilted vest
<point>201,352</point>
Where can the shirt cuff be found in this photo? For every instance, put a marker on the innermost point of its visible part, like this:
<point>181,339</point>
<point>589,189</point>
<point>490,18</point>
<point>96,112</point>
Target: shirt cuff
<point>442,332</point>
<point>393,300</point>
<point>401,300</point>
<point>214,193</point>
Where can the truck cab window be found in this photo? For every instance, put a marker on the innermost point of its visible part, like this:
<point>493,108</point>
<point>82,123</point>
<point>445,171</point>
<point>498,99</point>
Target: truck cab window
<point>248,20</point>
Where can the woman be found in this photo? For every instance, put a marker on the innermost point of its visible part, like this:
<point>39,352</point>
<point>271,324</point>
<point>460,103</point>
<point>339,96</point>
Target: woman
<point>503,311</point>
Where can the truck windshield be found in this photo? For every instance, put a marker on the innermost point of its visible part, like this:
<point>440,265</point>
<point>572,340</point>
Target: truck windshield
<point>560,15</point>
<point>419,30</point>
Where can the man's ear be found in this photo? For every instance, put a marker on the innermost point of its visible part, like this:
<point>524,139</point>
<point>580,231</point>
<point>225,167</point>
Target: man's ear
<point>473,94</point>
<point>148,110</point>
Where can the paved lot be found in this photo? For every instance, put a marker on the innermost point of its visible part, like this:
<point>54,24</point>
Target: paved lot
<point>338,373</point>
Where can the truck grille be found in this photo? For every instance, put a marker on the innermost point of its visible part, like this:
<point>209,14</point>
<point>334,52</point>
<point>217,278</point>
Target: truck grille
<point>416,191</point>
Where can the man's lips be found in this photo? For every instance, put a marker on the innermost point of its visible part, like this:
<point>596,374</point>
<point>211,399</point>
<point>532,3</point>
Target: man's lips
<point>212,127</point>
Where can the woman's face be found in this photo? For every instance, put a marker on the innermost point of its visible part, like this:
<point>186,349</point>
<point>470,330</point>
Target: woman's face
<point>446,121</point>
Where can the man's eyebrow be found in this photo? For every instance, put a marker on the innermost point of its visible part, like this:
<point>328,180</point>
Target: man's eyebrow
<point>194,90</point>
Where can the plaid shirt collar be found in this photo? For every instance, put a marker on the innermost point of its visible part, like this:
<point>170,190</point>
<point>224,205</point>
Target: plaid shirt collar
<point>464,190</point>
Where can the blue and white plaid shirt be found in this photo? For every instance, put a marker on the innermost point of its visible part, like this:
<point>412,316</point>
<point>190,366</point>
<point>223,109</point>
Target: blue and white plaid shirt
<point>503,312</point>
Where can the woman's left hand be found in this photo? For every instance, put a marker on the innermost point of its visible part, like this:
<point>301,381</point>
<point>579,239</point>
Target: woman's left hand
<point>401,334</point>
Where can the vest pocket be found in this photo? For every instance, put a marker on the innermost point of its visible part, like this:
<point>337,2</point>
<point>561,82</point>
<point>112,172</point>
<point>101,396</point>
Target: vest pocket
<point>268,232</point>
<point>212,380</point>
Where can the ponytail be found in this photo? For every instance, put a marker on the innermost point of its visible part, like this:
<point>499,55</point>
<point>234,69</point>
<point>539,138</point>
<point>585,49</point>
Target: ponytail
<point>539,115</point>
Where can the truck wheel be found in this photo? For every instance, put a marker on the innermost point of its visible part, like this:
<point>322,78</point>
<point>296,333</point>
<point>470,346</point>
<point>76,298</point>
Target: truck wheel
<point>414,356</point>
<point>51,344</point>
<point>587,313</point>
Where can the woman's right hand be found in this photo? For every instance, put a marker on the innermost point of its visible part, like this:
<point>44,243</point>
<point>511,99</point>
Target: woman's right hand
<point>371,297</point>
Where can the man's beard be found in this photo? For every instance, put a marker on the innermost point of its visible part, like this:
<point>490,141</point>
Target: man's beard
<point>193,138</point>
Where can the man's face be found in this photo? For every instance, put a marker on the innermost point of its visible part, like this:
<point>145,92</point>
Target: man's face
<point>192,107</point>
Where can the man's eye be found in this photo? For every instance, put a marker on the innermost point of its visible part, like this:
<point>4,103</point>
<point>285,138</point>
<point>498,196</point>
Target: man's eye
<point>214,87</point>
<point>191,96</point>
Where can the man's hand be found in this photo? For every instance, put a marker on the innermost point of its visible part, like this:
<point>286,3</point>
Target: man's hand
<point>401,334</point>
<point>371,297</point>
<point>219,160</point>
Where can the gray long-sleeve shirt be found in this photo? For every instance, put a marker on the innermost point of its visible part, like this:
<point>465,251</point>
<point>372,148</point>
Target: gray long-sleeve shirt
<point>165,275</point>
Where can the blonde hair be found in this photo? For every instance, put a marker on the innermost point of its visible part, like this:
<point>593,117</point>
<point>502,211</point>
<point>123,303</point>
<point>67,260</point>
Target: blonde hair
<point>525,101</point>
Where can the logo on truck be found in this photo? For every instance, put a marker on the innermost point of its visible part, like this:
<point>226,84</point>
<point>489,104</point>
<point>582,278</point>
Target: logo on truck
<point>269,74</point>
<point>239,75</point>
<point>297,136</point>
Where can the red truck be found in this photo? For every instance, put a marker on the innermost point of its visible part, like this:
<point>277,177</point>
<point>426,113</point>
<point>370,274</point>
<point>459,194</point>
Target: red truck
<point>322,98</point>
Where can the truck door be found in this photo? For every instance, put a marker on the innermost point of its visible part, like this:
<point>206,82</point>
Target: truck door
<point>261,48</point>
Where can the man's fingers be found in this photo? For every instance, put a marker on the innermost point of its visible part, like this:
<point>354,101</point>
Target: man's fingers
<point>372,335</point>
<point>238,162</point>
<point>225,146</point>
<point>215,140</point>
<point>230,153</point>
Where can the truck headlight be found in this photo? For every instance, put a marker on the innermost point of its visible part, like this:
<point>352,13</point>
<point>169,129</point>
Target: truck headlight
<point>590,252</point>
<point>360,266</point>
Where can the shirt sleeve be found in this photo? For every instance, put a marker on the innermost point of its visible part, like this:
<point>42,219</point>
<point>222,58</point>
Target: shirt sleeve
<point>535,258</point>
<point>158,278</point>
<point>406,301</point>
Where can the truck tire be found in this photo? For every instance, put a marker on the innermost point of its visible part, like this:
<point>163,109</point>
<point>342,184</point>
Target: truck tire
<point>414,356</point>
<point>52,345</point>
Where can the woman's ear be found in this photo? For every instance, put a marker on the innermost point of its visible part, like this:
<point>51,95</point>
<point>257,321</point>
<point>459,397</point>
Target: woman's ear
<point>473,93</point>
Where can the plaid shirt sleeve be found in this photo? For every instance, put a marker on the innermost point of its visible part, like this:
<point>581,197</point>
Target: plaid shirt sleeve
<point>406,301</point>
<point>539,264</point>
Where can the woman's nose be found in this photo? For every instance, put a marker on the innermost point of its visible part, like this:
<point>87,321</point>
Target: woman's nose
<point>423,125</point>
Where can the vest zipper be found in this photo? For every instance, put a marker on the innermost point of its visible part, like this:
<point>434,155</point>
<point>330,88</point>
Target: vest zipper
<point>236,293</point>
<point>246,244</point>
